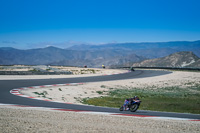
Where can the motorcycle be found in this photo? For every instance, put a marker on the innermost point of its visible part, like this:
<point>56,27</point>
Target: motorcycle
<point>132,106</point>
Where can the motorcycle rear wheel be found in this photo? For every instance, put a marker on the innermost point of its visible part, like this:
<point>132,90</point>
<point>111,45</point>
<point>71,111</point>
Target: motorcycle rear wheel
<point>134,107</point>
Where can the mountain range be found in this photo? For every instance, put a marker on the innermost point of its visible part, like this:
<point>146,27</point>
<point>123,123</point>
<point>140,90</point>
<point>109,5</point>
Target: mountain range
<point>115,54</point>
<point>147,49</point>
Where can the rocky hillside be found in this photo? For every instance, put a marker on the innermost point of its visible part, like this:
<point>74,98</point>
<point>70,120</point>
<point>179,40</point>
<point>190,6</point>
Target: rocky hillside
<point>179,59</point>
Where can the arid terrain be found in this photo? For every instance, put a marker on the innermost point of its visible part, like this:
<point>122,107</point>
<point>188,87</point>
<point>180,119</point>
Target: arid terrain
<point>74,94</point>
<point>19,119</point>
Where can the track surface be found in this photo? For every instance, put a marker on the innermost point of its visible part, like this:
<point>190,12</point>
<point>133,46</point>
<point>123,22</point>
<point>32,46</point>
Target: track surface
<point>7,98</point>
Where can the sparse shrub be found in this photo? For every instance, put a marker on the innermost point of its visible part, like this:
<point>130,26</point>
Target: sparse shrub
<point>103,86</point>
<point>42,93</point>
<point>99,92</point>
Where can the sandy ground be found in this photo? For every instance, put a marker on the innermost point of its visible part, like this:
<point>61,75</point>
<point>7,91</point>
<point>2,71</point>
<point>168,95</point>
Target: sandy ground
<point>74,94</point>
<point>16,119</point>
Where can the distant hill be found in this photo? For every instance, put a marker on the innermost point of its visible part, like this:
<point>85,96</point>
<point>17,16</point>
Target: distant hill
<point>143,45</point>
<point>179,59</point>
<point>115,61</point>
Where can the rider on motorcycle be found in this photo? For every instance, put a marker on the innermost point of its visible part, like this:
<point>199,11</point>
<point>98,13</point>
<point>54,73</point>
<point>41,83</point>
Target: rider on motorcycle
<point>128,101</point>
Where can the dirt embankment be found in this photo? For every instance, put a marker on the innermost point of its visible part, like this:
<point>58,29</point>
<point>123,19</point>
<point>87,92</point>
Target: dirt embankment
<point>77,72</point>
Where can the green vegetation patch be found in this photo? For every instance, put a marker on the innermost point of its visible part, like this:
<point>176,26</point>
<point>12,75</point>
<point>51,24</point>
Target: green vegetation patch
<point>171,99</point>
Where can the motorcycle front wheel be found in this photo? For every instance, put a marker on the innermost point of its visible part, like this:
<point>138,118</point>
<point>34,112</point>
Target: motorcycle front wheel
<point>134,107</point>
<point>121,108</point>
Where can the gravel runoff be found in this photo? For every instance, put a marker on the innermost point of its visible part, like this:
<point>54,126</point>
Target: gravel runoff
<point>26,120</point>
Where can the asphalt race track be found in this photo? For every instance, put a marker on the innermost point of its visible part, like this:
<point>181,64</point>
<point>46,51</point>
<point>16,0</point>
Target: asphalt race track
<point>7,98</point>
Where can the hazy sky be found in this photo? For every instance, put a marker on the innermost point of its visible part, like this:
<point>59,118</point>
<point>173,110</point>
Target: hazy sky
<point>62,23</point>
